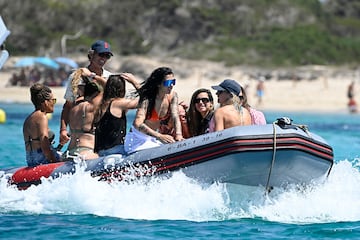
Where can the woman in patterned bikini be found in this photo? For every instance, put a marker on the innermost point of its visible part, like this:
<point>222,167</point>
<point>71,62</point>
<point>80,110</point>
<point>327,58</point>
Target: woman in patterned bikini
<point>157,118</point>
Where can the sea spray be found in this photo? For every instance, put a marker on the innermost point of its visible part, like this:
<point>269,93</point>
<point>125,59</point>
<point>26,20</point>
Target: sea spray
<point>178,197</point>
<point>334,200</point>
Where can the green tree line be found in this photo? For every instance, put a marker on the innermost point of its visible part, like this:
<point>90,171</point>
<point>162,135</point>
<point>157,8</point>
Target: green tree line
<point>237,32</point>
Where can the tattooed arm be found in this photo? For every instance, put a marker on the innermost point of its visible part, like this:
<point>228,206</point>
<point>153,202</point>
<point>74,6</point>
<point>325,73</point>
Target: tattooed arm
<point>175,116</point>
<point>139,124</point>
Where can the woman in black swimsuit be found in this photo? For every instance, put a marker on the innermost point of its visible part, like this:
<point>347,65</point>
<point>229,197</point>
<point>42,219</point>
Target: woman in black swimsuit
<point>35,128</point>
<point>110,118</point>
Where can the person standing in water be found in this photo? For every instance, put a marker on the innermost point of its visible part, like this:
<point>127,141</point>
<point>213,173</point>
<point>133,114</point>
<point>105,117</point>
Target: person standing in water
<point>260,89</point>
<point>352,105</point>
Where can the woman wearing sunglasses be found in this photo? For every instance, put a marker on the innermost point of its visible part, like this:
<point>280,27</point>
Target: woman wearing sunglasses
<point>200,112</point>
<point>157,118</point>
<point>231,113</point>
<point>36,132</point>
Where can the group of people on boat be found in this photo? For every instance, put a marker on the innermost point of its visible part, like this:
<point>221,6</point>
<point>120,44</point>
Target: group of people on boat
<point>94,119</point>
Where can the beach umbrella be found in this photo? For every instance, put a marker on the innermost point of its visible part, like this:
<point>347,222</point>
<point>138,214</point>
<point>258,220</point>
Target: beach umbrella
<point>47,62</point>
<point>25,62</point>
<point>66,61</point>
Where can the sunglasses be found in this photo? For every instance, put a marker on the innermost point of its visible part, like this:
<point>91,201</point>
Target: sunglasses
<point>53,100</point>
<point>169,82</point>
<point>204,100</point>
<point>105,55</point>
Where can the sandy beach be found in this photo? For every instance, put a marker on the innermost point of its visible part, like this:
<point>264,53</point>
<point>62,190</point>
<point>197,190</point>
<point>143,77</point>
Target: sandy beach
<point>324,94</point>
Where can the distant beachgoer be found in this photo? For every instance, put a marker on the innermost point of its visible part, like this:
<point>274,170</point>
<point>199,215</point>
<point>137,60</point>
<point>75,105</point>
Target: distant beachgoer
<point>110,119</point>
<point>257,117</point>
<point>260,88</point>
<point>157,118</point>
<point>352,104</point>
<point>98,55</point>
<point>351,90</point>
<point>37,135</point>
<point>200,112</point>
<point>231,112</point>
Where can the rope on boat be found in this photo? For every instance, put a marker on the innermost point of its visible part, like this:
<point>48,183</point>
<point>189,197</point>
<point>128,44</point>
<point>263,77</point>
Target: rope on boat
<point>268,188</point>
<point>283,122</point>
<point>304,128</point>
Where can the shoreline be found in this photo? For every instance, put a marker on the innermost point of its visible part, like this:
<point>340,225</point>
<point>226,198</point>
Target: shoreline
<point>325,94</point>
<point>293,100</point>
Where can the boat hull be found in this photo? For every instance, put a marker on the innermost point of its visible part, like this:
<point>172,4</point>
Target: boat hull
<point>267,155</point>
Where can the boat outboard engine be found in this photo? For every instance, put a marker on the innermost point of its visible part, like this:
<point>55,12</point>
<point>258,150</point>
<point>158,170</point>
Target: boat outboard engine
<point>285,123</point>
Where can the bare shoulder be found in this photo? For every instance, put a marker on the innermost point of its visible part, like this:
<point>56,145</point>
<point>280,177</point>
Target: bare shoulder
<point>119,102</point>
<point>39,117</point>
<point>223,109</point>
<point>38,120</point>
<point>219,112</point>
<point>117,107</point>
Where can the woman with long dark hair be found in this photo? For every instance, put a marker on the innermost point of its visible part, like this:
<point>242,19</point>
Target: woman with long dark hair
<point>157,118</point>
<point>110,118</point>
<point>200,112</point>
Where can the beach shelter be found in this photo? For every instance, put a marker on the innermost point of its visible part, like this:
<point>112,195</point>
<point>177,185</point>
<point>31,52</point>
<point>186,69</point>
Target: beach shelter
<point>25,62</point>
<point>66,61</point>
<point>47,62</point>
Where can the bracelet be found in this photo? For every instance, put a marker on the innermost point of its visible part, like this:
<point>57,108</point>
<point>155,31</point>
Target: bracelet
<point>92,75</point>
<point>63,129</point>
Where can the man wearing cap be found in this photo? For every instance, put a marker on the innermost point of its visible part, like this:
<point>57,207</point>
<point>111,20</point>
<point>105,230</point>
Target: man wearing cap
<point>98,55</point>
<point>231,113</point>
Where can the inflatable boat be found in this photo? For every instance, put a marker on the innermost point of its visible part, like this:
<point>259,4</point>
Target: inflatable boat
<point>272,155</point>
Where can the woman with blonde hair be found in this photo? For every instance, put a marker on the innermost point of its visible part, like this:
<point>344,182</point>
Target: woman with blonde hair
<point>231,112</point>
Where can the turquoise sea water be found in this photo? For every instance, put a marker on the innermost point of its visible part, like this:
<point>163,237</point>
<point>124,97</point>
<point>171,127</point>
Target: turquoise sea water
<point>79,207</point>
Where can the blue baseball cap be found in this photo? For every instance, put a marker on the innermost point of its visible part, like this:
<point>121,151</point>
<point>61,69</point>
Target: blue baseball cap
<point>230,86</point>
<point>101,46</point>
